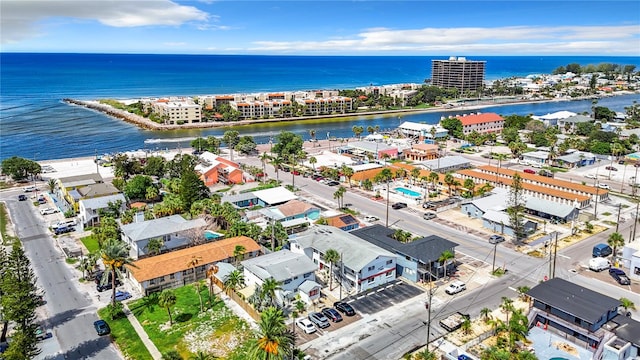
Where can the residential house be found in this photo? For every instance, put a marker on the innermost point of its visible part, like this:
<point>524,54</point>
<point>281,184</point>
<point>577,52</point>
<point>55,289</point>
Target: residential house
<point>293,215</point>
<point>631,259</point>
<point>363,265</point>
<point>552,119</point>
<point>481,123</point>
<point>575,159</point>
<point>175,231</point>
<point>291,270</point>
<point>568,125</point>
<point>445,164</point>
<point>422,152</point>
<point>345,222</point>
<point>500,222</point>
<point>476,208</point>
<point>75,188</point>
<point>90,209</point>
<point>172,270</point>
<point>417,260</point>
<point>626,342</point>
<point>535,157</point>
<point>264,198</point>
<point>572,310</point>
<point>216,169</point>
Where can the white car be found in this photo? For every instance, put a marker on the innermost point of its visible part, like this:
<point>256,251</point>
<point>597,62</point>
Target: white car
<point>48,211</point>
<point>590,176</point>
<point>371,218</point>
<point>603,186</point>
<point>306,325</point>
<point>455,287</point>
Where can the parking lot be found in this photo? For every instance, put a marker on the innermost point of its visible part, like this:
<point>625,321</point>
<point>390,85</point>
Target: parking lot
<point>604,276</point>
<point>383,297</point>
<point>302,337</point>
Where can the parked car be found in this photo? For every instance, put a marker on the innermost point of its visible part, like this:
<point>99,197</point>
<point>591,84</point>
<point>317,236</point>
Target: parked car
<point>41,333</point>
<point>546,173</point>
<point>317,177</point>
<point>599,264</point>
<point>306,325</point>
<point>495,239</point>
<point>22,197</point>
<point>611,168</point>
<point>601,250</point>
<point>621,162</point>
<point>106,286</point>
<point>529,171</point>
<point>619,276</point>
<point>102,328</point>
<point>29,188</point>
<point>455,287</point>
<point>63,230</point>
<point>319,320</point>
<point>332,183</point>
<point>371,218</point>
<point>42,201</point>
<point>603,186</point>
<point>48,211</point>
<point>64,223</point>
<point>332,314</point>
<point>590,176</point>
<point>429,215</point>
<point>344,308</point>
<point>122,295</point>
<point>399,205</point>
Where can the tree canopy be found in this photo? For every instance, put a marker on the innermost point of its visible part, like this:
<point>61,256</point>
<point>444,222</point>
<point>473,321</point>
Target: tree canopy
<point>454,125</point>
<point>20,168</point>
<point>287,144</point>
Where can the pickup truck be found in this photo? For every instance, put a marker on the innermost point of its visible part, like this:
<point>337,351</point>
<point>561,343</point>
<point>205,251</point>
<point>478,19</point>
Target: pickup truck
<point>454,321</point>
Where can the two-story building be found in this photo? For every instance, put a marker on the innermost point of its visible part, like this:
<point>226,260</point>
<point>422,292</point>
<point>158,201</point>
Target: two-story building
<point>90,209</point>
<point>172,270</point>
<point>175,232</point>
<point>481,123</point>
<point>75,188</point>
<point>362,266</point>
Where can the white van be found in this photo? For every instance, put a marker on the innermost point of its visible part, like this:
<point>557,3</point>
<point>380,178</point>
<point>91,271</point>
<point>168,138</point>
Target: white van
<point>29,188</point>
<point>599,264</point>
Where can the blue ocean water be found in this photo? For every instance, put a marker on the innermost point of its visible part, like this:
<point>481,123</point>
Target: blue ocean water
<point>34,123</point>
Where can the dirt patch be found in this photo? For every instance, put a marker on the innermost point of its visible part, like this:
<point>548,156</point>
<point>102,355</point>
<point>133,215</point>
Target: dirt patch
<point>569,349</point>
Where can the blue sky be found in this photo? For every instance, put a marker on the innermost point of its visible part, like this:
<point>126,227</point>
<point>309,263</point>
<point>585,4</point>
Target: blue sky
<point>319,27</point>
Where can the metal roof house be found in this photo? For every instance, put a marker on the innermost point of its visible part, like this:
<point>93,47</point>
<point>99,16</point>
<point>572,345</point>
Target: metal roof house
<point>90,208</point>
<point>171,229</point>
<point>418,259</point>
<point>363,265</point>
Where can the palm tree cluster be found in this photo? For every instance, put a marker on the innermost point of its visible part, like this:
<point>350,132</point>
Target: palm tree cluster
<point>274,340</point>
<point>264,296</point>
<point>509,333</point>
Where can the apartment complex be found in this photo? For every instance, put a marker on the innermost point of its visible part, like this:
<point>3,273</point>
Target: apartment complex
<point>460,73</point>
<point>481,123</point>
<point>176,110</point>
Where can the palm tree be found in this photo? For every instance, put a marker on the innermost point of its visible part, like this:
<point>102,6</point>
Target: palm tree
<point>212,270</point>
<point>238,253</point>
<point>444,258</point>
<point>154,246</point>
<point>313,161</point>
<point>269,287</point>
<point>234,281</point>
<point>386,176</point>
<point>192,263</point>
<point>52,185</point>
<point>276,162</point>
<point>466,326</point>
<point>469,185</point>
<point>331,256</point>
<point>202,356</point>
<point>347,172</point>
<point>486,314</point>
<point>450,181</point>
<point>167,300</point>
<point>274,341</point>
<point>357,130</point>
<point>339,195</point>
<point>264,158</point>
<point>115,254</point>
<point>415,173</point>
<point>627,304</point>
<point>615,240</point>
<point>523,290</point>
<point>425,355</point>
<point>312,134</point>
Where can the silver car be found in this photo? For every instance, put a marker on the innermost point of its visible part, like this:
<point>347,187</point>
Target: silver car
<point>319,319</point>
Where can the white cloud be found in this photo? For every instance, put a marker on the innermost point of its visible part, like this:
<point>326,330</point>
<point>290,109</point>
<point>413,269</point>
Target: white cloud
<point>499,40</point>
<point>21,19</point>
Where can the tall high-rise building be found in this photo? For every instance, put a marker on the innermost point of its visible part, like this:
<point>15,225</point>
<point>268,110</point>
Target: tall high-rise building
<point>460,73</point>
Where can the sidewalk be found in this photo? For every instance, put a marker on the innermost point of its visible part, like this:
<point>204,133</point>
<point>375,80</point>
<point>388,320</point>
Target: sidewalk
<point>153,350</point>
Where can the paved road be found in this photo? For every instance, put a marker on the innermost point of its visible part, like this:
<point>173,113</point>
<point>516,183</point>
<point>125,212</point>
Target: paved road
<point>68,314</point>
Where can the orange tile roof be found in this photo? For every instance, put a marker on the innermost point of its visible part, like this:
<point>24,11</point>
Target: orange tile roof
<point>366,174</point>
<point>479,118</point>
<point>225,97</point>
<point>294,207</point>
<point>425,147</point>
<point>546,180</point>
<point>176,261</point>
<point>527,186</point>
<point>336,221</point>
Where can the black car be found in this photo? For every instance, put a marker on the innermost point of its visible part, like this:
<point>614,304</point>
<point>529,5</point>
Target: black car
<point>332,314</point>
<point>64,230</point>
<point>22,197</point>
<point>546,173</point>
<point>619,276</point>
<point>102,328</point>
<point>106,286</point>
<point>344,308</point>
<point>399,205</point>
<point>333,183</point>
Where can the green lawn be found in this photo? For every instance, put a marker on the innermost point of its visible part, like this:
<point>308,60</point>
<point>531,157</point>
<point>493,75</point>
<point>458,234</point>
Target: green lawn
<point>217,330</point>
<point>91,243</point>
<point>125,336</point>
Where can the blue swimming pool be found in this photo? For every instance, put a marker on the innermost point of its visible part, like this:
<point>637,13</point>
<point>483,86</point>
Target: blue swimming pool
<point>210,235</point>
<point>408,192</point>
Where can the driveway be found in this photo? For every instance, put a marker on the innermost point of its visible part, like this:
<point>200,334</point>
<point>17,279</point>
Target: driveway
<point>382,297</point>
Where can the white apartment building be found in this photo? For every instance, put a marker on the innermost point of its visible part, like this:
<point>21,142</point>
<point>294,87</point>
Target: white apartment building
<point>324,106</point>
<point>177,111</point>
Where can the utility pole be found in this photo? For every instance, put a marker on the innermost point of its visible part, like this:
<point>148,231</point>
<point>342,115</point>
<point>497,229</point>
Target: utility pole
<point>555,255</point>
<point>635,222</point>
<point>341,276</point>
<point>387,224</point>
<point>618,222</point>
<point>493,266</point>
<point>595,210</point>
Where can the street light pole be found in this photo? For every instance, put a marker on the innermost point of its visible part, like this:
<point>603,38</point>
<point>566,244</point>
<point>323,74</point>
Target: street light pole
<point>493,266</point>
<point>387,224</point>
